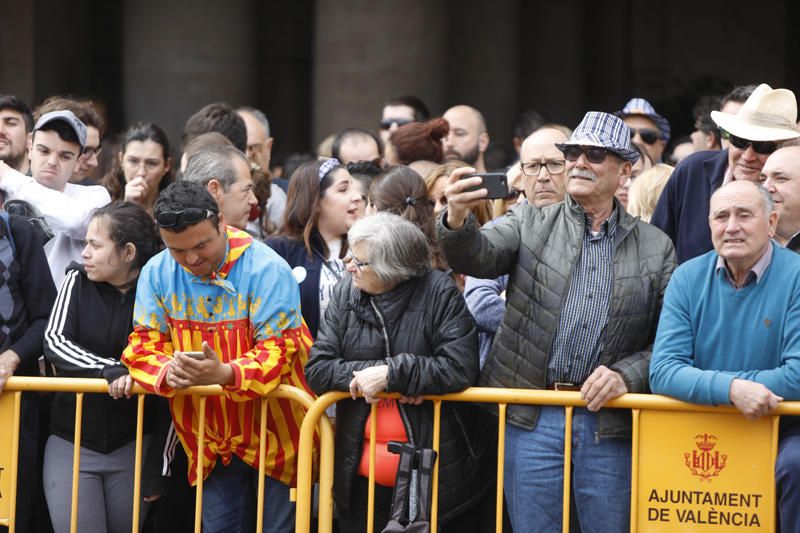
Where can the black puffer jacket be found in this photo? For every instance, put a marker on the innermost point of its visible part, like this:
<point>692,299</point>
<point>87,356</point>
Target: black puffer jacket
<point>433,349</point>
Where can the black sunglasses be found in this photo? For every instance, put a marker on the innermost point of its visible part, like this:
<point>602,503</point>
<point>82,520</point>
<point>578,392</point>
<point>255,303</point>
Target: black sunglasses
<point>190,215</point>
<point>759,147</point>
<point>647,135</point>
<point>513,194</point>
<point>387,122</point>
<point>593,154</point>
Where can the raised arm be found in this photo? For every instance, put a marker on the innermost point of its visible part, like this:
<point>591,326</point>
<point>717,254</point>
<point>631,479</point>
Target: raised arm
<point>63,213</point>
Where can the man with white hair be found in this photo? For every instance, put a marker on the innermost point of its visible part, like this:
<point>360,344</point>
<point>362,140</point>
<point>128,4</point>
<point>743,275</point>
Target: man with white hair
<point>564,327</point>
<point>728,333</point>
<point>765,121</point>
<point>259,153</point>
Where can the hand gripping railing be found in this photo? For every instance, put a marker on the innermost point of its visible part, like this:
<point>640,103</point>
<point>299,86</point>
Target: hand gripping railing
<point>503,397</point>
<point>17,385</point>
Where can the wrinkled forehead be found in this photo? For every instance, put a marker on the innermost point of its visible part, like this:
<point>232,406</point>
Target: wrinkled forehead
<point>540,152</point>
<point>735,197</point>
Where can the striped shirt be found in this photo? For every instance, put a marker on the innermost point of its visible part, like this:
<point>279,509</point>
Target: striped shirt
<point>248,311</point>
<point>578,339</point>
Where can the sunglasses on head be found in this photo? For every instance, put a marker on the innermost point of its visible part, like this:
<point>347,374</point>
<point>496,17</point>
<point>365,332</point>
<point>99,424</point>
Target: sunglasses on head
<point>190,215</point>
<point>759,147</point>
<point>387,122</point>
<point>594,154</point>
<point>647,135</point>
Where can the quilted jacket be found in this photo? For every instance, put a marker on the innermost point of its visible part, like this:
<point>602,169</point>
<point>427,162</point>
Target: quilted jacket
<point>432,349</point>
<point>538,248</point>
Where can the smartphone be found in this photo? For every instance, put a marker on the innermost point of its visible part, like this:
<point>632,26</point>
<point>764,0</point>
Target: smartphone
<point>494,182</point>
<point>195,355</point>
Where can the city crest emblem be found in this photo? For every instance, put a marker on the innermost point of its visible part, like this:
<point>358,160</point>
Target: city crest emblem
<point>705,462</point>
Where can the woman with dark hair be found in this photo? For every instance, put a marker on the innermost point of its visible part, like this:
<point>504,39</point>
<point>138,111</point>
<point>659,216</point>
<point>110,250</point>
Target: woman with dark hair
<point>143,167</point>
<point>417,141</point>
<point>401,191</point>
<point>321,206</point>
<point>85,337</point>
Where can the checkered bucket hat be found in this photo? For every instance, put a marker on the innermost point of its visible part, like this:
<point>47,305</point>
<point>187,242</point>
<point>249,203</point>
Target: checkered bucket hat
<point>640,106</point>
<point>603,130</point>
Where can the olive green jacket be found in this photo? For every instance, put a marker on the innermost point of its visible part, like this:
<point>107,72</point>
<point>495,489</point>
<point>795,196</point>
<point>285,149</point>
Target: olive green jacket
<point>538,248</point>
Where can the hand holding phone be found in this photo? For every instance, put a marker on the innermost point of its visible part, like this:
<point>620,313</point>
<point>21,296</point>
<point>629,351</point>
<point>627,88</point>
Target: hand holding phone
<point>495,183</point>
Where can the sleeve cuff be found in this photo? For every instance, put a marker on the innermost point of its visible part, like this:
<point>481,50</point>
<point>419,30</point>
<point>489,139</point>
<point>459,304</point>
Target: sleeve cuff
<point>721,388</point>
<point>238,377</point>
<point>160,385</point>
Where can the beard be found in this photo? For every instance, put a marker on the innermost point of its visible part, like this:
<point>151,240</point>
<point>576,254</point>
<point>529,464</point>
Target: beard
<point>469,158</point>
<point>13,160</point>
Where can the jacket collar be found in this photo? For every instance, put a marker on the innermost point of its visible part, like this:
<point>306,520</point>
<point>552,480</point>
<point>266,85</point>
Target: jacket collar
<point>391,304</point>
<point>236,243</point>
<point>576,214</point>
<point>714,168</point>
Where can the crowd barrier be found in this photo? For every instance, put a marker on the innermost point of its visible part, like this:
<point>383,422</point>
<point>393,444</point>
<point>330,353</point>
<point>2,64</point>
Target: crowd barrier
<point>693,467</point>
<point>10,401</point>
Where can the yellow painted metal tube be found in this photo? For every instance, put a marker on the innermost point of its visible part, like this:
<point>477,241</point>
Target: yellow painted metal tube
<point>137,465</point>
<point>567,468</point>
<point>373,431</point>
<point>634,470</point>
<point>437,420</point>
<point>12,498</point>
<point>76,462</point>
<point>201,451</point>
<point>501,461</point>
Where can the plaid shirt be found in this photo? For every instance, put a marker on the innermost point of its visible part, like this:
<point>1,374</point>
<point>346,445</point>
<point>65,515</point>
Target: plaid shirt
<point>578,340</point>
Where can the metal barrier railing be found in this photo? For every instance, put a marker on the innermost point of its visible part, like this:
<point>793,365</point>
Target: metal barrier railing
<point>637,403</point>
<point>16,385</point>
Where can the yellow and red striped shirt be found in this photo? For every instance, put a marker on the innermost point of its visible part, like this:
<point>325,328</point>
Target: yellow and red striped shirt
<point>248,311</point>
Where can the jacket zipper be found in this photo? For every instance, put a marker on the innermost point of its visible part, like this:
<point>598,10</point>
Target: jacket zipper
<point>400,409</point>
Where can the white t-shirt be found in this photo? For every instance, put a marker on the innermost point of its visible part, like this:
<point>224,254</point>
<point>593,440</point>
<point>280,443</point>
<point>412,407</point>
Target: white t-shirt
<point>330,273</point>
<point>67,213</point>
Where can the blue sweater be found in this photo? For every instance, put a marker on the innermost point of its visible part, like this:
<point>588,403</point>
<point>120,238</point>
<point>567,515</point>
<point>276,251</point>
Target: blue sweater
<point>710,333</point>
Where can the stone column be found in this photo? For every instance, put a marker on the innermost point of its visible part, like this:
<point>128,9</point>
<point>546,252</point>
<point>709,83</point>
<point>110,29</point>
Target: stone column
<point>366,52</point>
<point>181,56</point>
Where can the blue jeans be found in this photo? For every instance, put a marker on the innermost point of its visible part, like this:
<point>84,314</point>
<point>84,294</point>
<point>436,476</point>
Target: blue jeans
<point>229,496</point>
<point>534,475</point>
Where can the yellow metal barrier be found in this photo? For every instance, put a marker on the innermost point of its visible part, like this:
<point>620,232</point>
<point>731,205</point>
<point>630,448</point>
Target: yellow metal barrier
<point>16,385</point>
<point>642,405</point>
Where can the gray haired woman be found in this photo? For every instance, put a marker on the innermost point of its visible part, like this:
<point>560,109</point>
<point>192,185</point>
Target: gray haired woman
<point>396,325</point>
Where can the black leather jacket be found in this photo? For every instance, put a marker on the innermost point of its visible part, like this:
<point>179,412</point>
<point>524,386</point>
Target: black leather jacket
<point>432,349</point>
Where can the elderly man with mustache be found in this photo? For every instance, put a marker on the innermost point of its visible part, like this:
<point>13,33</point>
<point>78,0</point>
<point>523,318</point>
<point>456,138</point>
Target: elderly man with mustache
<point>584,296</point>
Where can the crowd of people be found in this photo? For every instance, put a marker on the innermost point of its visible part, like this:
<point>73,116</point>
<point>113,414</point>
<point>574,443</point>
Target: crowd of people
<point>616,260</point>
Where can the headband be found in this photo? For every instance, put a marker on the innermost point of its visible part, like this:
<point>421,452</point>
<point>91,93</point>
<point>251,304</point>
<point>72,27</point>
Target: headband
<point>327,166</point>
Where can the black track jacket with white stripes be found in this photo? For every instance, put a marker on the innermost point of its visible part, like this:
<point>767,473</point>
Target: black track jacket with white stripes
<point>85,336</point>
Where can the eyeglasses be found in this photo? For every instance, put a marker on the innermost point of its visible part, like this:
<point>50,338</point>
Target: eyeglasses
<point>533,169</point>
<point>647,135</point>
<point>759,147</point>
<point>514,194</point>
<point>190,215</point>
<point>593,154</point>
<point>387,122</point>
<point>89,152</point>
<point>351,258</point>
